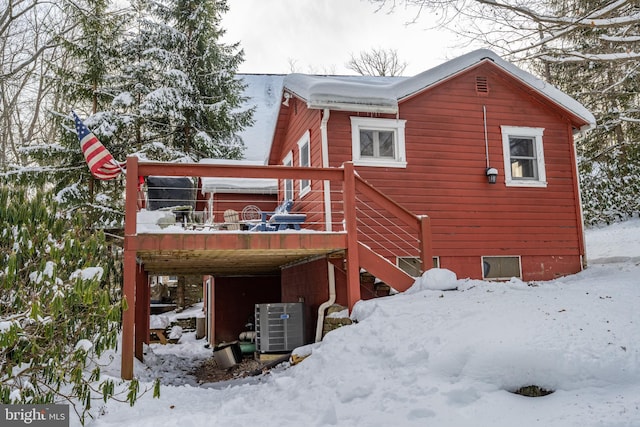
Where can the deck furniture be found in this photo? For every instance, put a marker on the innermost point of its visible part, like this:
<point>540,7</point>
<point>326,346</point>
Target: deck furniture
<point>232,220</point>
<point>280,219</point>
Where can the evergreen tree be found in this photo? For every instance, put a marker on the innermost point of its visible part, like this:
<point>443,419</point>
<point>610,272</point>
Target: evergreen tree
<point>84,79</point>
<point>182,90</point>
<point>593,63</point>
<point>60,305</point>
<point>165,90</point>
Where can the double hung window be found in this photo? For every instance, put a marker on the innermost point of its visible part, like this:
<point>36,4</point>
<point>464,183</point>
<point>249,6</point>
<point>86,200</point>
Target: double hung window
<point>305,161</point>
<point>378,142</point>
<point>288,183</point>
<point>523,156</point>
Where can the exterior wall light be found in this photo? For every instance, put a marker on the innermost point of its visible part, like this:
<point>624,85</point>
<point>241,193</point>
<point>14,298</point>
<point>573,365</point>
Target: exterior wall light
<point>287,96</point>
<point>492,175</point>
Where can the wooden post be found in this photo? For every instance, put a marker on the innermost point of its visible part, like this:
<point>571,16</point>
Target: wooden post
<point>130,267</point>
<point>180,293</point>
<point>141,311</point>
<point>351,226</point>
<point>210,309</point>
<point>426,248</point>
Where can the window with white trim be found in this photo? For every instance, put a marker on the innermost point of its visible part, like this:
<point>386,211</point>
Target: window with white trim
<point>288,183</point>
<point>378,142</point>
<point>501,267</point>
<point>523,156</point>
<point>304,152</point>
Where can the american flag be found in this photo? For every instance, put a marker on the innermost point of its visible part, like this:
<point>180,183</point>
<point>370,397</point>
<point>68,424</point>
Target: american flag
<point>101,162</point>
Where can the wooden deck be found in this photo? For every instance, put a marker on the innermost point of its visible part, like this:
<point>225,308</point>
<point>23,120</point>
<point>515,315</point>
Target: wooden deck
<point>249,253</point>
<point>231,254</point>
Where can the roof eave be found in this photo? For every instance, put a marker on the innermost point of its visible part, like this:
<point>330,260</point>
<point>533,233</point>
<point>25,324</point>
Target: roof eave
<point>356,108</point>
<point>586,128</point>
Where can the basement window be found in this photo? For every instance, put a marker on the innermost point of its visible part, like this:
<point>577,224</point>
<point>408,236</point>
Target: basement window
<point>378,142</point>
<point>523,156</point>
<point>411,265</point>
<point>501,267</point>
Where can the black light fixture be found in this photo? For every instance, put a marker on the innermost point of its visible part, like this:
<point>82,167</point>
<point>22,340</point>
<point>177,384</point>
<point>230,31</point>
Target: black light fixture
<point>492,175</point>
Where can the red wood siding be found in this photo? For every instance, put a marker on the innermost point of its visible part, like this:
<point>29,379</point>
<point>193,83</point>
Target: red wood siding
<point>302,120</point>
<point>235,299</point>
<point>237,202</point>
<point>307,283</point>
<point>445,177</point>
<point>341,285</point>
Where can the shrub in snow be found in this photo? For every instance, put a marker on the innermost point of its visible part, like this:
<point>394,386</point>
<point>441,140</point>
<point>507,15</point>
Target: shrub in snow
<point>60,304</point>
<point>611,187</point>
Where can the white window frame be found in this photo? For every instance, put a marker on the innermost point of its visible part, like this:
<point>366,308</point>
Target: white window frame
<point>305,184</point>
<point>288,183</point>
<point>527,132</point>
<point>396,126</point>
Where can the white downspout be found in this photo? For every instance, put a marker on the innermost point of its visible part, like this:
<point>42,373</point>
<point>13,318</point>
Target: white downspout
<point>328,303</point>
<point>325,164</point>
<point>327,209</point>
<point>486,135</point>
<point>583,260</point>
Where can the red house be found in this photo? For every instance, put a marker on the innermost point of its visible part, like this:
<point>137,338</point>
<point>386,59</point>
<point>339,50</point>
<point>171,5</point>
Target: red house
<point>470,166</point>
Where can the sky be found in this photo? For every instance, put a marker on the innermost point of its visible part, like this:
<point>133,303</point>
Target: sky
<point>319,36</point>
<point>448,352</point>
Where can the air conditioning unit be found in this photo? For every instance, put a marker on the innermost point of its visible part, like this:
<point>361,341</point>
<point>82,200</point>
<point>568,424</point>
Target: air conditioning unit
<point>279,327</point>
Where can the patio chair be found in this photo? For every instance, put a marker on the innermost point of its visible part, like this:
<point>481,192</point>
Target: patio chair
<point>231,220</point>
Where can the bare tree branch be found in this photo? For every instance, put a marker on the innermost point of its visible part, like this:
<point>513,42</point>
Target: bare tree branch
<point>377,62</point>
<point>524,26</point>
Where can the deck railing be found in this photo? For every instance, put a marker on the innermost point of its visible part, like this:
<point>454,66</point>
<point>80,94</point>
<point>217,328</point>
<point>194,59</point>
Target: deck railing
<point>368,216</point>
<point>311,205</point>
<point>390,230</point>
<point>228,209</point>
<point>351,211</point>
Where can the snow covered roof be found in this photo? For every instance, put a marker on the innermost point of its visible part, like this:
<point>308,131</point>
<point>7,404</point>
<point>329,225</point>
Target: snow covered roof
<point>238,185</point>
<point>351,93</point>
<point>369,94</point>
<point>264,92</point>
<point>383,94</point>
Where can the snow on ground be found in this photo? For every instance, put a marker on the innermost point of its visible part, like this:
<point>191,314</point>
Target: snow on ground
<point>614,243</point>
<point>439,357</point>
